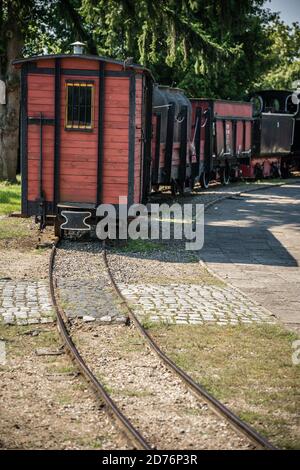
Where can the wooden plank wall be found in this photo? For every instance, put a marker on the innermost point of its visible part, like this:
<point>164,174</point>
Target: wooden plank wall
<point>116,135</point>
<point>78,157</point>
<point>78,153</point>
<point>40,99</point>
<point>138,147</point>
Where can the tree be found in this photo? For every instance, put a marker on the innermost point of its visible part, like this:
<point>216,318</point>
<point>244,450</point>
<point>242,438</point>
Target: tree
<point>12,42</point>
<point>285,56</point>
<point>214,48</point>
<point>209,48</point>
<point>29,26</point>
<point>152,32</point>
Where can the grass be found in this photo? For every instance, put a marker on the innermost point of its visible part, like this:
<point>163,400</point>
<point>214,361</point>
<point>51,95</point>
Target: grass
<point>133,393</point>
<point>13,228</point>
<point>64,399</point>
<point>10,197</point>
<point>148,323</point>
<point>20,343</point>
<point>247,367</point>
<point>96,443</point>
<point>186,275</point>
<point>139,246</point>
<point>10,201</point>
<point>61,369</point>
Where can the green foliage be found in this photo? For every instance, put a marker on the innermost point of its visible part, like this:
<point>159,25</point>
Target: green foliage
<point>285,56</point>
<point>215,48</point>
<point>209,48</point>
<point>151,32</point>
<point>44,26</point>
<point>10,198</point>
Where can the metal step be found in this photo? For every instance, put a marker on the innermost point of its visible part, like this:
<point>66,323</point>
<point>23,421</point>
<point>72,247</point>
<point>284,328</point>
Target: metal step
<point>75,220</point>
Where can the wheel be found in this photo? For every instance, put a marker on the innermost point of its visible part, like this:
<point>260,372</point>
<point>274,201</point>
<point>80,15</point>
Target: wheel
<point>258,172</point>
<point>188,186</point>
<point>173,188</point>
<point>204,180</point>
<point>191,183</point>
<point>58,232</point>
<point>225,176</point>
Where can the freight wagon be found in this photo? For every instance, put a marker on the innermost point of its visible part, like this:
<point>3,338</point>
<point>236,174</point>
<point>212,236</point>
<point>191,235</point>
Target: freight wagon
<point>221,136</point>
<point>171,165</point>
<point>85,134</point>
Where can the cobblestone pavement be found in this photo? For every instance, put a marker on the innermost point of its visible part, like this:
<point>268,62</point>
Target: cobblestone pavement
<point>192,304</point>
<point>196,304</point>
<point>83,284</point>
<point>28,302</point>
<point>254,243</point>
<point>25,302</point>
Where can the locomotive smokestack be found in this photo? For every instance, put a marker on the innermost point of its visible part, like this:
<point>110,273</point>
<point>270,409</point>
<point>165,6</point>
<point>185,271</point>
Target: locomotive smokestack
<point>78,47</point>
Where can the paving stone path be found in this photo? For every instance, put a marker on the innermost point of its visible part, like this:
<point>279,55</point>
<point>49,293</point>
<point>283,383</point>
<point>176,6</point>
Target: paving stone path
<point>25,302</point>
<point>254,242</point>
<point>196,304</point>
<point>28,302</point>
<point>192,304</point>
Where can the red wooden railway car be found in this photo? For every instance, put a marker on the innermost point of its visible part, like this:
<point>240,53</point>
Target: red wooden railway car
<point>221,135</point>
<point>85,132</point>
<point>171,164</point>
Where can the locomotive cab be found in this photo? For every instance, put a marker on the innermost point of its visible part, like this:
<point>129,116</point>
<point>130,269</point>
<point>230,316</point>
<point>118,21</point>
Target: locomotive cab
<point>273,132</point>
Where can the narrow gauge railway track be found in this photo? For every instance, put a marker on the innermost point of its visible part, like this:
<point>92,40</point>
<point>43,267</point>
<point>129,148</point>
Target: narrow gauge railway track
<point>239,425</point>
<point>131,431</point>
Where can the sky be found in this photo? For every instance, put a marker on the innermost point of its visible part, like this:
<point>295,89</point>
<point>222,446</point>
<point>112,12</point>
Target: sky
<point>290,9</point>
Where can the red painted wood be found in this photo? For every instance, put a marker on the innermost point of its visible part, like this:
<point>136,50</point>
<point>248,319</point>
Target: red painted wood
<point>80,64</point>
<point>78,184</point>
<point>118,119</point>
<point>109,66</point>
<point>225,108</point>
<point>112,102</point>
<point>229,108</point>
<point>116,125</point>
<point>40,99</point>
<point>49,63</point>
<point>86,195</point>
<point>116,135</point>
<point>79,149</point>
<point>138,146</point>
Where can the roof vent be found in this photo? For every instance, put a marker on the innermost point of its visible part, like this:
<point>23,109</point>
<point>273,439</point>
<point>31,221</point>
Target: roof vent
<point>78,47</point>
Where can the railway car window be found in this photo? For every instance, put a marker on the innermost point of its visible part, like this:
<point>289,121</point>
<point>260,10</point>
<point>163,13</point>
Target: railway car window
<point>257,105</point>
<point>276,106</point>
<point>79,105</point>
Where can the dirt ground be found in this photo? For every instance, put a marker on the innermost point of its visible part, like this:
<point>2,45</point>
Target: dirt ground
<point>23,252</point>
<point>44,403</point>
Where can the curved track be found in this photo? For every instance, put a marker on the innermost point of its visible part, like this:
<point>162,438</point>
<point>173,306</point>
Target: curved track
<point>239,425</point>
<point>131,432</point>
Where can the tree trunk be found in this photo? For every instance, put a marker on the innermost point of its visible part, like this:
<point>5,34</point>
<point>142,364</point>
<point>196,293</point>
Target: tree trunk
<point>9,112</point>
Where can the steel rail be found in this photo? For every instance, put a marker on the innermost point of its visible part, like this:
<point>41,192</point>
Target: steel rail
<point>239,425</point>
<point>131,432</point>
